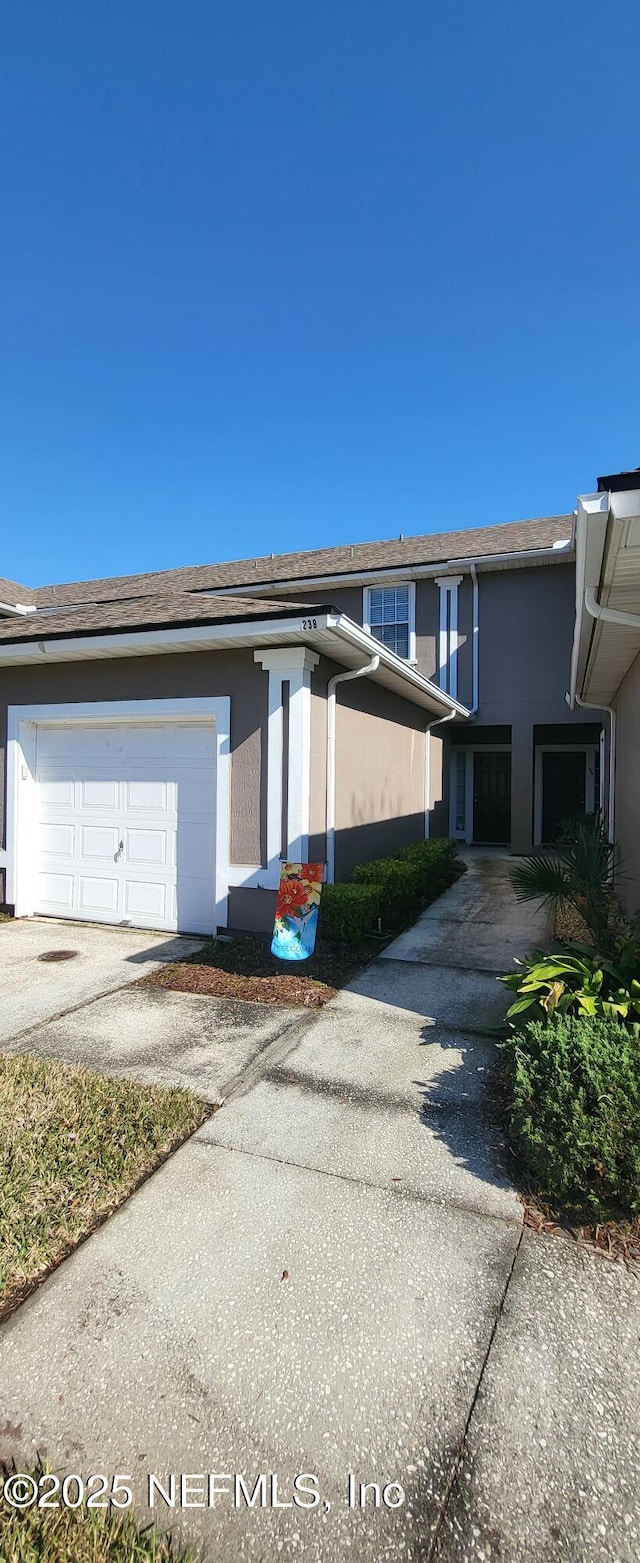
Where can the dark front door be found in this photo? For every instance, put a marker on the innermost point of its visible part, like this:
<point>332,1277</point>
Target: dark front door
<point>491,797</point>
<point>563,790</point>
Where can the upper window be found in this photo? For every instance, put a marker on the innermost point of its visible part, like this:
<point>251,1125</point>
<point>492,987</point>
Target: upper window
<point>390,616</point>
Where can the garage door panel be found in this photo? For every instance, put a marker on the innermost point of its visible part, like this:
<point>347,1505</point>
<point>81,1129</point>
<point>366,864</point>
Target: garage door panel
<point>196,799</point>
<point>58,793</point>
<point>147,848</point>
<point>145,794</point>
<point>195,904</point>
<point>98,893</point>
<point>102,795</point>
<point>99,841</point>
<point>196,853</point>
<point>151,788</point>
<point>145,899</point>
<point>56,891</point>
<point>57,840</point>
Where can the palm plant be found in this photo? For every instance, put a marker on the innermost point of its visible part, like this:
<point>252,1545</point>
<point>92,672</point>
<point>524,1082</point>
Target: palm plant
<point>578,874</point>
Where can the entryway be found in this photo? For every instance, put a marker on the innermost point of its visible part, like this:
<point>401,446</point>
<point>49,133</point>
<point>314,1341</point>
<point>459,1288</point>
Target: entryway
<point>480,790</point>
<point>491,797</point>
<point>566,785</point>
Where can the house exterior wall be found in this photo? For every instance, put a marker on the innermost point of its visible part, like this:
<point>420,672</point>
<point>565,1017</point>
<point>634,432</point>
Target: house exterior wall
<point>627,810</point>
<point>525,634</point>
<point>380,774</point>
<point>204,673</point>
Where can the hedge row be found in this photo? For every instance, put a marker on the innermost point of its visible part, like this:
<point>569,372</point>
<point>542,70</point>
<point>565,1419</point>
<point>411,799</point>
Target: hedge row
<point>575,1109</point>
<point>389,891</point>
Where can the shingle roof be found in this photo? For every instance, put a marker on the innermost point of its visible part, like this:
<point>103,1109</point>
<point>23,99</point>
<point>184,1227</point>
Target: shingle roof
<point>143,613</point>
<point>511,537</point>
<point>11,592</point>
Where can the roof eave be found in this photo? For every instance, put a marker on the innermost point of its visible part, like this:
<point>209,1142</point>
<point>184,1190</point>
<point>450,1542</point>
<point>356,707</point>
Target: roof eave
<point>604,647</point>
<point>331,633</point>
<point>520,559</point>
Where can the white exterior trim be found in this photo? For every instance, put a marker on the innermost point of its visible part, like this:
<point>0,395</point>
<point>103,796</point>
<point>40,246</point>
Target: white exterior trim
<point>334,634</point>
<point>589,751</point>
<point>448,634</point>
<point>292,665</point>
<point>390,575</point>
<point>366,612</point>
<point>22,722</point>
<point>128,643</point>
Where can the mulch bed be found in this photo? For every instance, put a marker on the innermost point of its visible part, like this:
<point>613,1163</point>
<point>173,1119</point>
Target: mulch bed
<point>570,926</point>
<point>613,1239</point>
<point>245,969</point>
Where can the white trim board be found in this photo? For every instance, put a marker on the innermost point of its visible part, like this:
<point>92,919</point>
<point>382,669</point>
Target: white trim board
<point>292,665</point>
<point>448,633</point>
<point>22,723</point>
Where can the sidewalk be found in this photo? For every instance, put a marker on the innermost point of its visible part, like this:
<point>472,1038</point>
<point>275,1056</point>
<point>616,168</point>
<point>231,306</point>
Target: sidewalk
<point>332,1276</point>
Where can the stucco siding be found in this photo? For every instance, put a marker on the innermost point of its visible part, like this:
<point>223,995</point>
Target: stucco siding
<point>232,673</point>
<point>627,810</point>
<point>380,774</point>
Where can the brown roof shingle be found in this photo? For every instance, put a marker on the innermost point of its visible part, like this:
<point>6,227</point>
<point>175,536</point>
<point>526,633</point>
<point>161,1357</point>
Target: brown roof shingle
<point>11,593</point>
<point>142,613</point>
<point>433,548</point>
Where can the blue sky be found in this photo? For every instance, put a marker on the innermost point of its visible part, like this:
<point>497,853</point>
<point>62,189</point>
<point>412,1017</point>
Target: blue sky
<point>278,276</point>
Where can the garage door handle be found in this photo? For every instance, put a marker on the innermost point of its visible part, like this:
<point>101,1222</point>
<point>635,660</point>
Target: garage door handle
<point>119,851</point>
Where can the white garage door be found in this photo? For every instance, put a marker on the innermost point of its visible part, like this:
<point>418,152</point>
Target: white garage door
<point>126,824</point>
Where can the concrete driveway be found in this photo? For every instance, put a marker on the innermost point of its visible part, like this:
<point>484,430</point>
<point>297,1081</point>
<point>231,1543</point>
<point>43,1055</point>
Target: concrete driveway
<point>88,1011</point>
<point>33,990</point>
<point>332,1277</point>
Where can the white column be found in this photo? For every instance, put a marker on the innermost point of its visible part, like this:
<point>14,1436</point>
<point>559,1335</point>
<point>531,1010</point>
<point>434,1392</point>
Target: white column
<point>292,665</point>
<point>448,634</point>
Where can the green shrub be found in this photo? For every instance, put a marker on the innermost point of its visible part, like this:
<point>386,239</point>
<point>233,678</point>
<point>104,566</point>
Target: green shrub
<point>400,887</point>
<point>577,978</point>
<point>437,861</point>
<point>349,912</point>
<point>575,1109</point>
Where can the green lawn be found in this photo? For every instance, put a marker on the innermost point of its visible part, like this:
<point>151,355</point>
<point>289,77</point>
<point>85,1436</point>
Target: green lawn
<point>80,1536</point>
<point>73,1145</point>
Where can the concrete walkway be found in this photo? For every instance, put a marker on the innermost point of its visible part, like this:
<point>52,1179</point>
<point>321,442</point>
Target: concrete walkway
<point>332,1276</point>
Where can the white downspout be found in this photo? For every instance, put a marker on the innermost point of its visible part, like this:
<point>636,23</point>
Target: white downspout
<point>338,678</point>
<point>427,766</point>
<point>589,705</point>
<point>630,621</point>
<point>609,615</point>
<point>476,640</point>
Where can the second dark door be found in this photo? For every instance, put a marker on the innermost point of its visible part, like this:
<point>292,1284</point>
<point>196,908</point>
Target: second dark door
<point>492,797</point>
<point>564,778</point>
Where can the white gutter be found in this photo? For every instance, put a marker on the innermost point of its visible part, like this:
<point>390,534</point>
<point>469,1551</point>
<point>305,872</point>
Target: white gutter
<point>338,678</point>
<point>303,629</point>
<point>609,615</point>
<point>414,572</point>
<point>13,610</point>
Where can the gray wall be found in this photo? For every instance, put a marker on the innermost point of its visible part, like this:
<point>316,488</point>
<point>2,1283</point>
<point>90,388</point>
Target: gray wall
<point>526,629</point>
